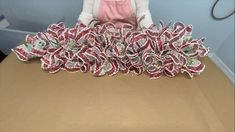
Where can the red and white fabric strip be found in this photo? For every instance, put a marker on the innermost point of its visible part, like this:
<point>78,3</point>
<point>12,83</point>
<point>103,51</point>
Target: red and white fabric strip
<point>105,49</point>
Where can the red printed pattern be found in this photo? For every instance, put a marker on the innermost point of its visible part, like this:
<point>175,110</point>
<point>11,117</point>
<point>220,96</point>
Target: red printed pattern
<point>104,49</point>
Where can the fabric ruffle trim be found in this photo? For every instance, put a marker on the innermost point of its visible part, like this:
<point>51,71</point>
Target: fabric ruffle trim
<point>104,49</point>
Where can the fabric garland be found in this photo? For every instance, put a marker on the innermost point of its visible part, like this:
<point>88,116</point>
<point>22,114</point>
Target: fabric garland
<point>104,49</point>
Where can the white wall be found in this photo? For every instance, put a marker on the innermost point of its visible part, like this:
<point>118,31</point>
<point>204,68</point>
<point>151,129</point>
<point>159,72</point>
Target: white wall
<point>197,12</point>
<point>226,51</point>
<point>35,15</point>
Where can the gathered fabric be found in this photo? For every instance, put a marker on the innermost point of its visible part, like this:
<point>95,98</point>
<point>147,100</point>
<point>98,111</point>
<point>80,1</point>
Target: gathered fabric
<point>104,49</point>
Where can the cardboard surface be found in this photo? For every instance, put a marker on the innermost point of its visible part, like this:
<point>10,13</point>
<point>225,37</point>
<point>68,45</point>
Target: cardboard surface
<point>32,100</point>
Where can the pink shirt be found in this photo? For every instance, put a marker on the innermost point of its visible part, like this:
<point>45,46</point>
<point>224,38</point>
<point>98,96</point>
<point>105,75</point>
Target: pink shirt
<point>118,12</point>
<point>91,9</point>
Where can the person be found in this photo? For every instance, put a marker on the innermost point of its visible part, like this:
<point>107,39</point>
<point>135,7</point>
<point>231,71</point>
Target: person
<point>134,12</point>
<point>114,36</point>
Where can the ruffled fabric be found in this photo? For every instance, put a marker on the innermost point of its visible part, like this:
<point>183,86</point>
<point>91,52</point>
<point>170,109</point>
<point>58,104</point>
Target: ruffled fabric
<point>104,49</point>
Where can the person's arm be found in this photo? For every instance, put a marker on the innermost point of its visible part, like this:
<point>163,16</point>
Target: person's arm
<point>87,12</point>
<point>143,14</point>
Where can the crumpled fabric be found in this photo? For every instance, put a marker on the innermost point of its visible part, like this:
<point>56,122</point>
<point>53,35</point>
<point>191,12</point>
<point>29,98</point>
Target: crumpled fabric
<point>104,49</point>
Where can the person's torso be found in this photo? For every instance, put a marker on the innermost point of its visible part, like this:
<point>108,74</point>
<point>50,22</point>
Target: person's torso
<point>118,12</point>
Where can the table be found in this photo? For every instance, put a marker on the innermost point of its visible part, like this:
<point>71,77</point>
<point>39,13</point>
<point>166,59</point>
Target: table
<point>32,100</point>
